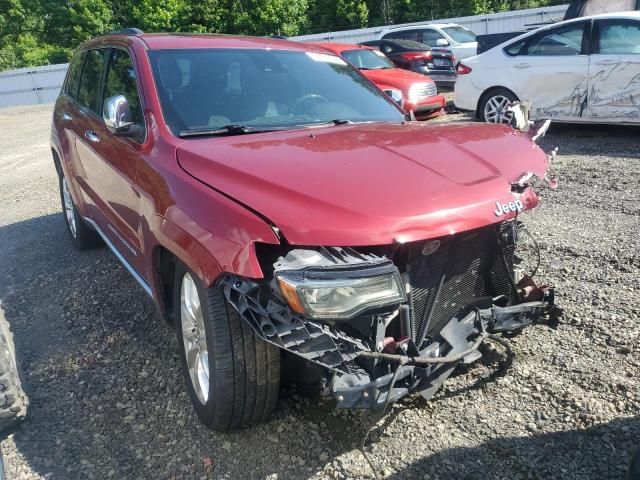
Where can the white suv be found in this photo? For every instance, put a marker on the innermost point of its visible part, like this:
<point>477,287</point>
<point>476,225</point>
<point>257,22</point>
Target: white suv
<point>461,41</point>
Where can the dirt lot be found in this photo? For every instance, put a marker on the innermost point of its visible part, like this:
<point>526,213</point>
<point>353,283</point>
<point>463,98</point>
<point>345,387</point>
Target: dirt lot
<point>107,396</point>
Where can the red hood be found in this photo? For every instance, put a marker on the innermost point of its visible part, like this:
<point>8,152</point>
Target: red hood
<point>369,184</point>
<point>395,77</point>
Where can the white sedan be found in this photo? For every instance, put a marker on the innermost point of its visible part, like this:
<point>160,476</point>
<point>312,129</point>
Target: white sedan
<point>582,70</point>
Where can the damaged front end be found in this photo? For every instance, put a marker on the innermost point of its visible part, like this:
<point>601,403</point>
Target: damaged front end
<point>382,322</point>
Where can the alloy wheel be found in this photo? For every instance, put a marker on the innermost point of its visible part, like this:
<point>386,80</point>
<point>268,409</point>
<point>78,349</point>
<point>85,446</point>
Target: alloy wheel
<point>496,110</point>
<point>69,209</point>
<point>194,338</point>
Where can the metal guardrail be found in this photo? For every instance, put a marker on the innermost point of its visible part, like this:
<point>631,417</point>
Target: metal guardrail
<point>30,86</point>
<point>480,24</point>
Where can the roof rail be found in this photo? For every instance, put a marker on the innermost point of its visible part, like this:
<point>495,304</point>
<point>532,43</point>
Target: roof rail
<point>127,31</point>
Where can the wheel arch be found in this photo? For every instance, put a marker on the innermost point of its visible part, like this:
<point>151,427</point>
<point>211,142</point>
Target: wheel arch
<point>164,256</point>
<point>488,92</point>
<point>56,159</point>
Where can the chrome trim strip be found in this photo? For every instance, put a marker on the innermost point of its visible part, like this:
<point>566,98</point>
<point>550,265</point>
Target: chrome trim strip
<point>136,275</point>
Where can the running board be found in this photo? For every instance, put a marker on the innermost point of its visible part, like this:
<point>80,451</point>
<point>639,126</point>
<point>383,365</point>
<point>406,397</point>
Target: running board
<point>123,261</point>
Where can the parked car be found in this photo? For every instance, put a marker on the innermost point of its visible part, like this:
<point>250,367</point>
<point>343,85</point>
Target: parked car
<point>438,63</point>
<point>582,70</point>
<point>412,91</point>
<point>461,41</point>
<point>577,9</point>
<point>269,198</point>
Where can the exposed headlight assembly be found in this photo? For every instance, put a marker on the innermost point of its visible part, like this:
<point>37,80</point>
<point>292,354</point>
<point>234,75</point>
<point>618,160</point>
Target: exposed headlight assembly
<point>337,284</point>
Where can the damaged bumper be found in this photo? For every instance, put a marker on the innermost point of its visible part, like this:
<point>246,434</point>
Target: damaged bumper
<point>365,374</point>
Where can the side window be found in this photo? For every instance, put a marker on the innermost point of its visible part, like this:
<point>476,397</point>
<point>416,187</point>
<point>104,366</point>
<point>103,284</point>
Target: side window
<point>405,35</point>
<point>89,91</point>
<point>430,37</point>
<point>619,38</point>
<point>73,75</point>
<point>515,48</point>
<point>121,80</point>
<point>563,41</point>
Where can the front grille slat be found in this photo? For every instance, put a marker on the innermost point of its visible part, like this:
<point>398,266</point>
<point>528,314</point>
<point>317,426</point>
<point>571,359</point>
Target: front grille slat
<point>421,91</point>
<point>473,267</point>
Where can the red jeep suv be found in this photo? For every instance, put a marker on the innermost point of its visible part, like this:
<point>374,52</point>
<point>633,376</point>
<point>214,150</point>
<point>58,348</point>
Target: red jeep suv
<point>277,206</point>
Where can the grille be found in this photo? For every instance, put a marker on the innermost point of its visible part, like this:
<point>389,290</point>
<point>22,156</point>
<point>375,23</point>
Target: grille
<point>469,266</point>
<point>423,90</point>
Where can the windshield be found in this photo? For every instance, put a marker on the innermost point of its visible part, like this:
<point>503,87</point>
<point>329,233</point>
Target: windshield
<point>208,89</point>
<point>365,59</point>
<point>460,34</point>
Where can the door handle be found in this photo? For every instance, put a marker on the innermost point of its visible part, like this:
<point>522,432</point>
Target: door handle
<point>92,136</point>
<point>522,65</point>
<point>606,62</point>
<point>66,116</point>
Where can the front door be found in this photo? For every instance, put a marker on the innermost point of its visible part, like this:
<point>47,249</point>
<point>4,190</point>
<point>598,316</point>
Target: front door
<point>614,94</point>
<point>551,70</point>
<point>110,162</point>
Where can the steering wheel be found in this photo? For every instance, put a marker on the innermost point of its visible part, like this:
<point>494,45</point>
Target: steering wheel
<point>306,98</point>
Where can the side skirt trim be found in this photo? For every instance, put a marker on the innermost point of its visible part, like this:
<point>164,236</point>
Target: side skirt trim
<point>123,261</point>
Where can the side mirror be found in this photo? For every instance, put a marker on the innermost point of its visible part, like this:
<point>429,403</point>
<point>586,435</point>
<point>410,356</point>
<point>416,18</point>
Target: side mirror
<point>396,95</point>
<point>442,42</point>
<point>117,115</point>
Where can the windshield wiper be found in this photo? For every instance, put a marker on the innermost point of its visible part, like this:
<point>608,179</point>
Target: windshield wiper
<point>232,129</point>
<point>337,121</point>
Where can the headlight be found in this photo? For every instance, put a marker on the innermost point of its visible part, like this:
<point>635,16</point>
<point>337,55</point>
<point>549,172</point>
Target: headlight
<point>340,299</point>
<point>335,283</point>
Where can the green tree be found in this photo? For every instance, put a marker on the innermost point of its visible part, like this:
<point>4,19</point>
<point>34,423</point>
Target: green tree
<point>268,17</point>
<point>353,12</point>
<point>160,15</point>
<point>70,23</point>
<point>207,16</point>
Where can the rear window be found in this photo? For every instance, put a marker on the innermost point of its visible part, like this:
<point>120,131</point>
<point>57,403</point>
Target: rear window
<point>405,35</point>
<point>366,59</point>
<point>409,45</point>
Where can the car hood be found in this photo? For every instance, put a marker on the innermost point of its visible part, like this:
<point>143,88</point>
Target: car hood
<point>395,77</point>
<point>370,184</point>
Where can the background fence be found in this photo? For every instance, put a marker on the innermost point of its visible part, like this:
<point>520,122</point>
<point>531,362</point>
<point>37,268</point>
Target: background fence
<point>481,24</point>
<point>28,86</point>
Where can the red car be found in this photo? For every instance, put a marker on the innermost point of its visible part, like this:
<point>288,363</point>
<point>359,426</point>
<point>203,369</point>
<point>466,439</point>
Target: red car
<point>419,93</point>
<point>276,205</point>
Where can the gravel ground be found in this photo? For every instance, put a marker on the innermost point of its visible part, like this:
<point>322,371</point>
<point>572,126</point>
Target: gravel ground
<point>107,396</point>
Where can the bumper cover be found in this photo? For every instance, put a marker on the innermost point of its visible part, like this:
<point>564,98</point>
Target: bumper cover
<point>408,370</point>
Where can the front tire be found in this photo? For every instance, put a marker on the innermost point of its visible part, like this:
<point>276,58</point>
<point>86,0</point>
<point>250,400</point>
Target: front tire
<point>232,376</point>
<point>82,236</point>
<point>13,400</point>
<point>494,104</point>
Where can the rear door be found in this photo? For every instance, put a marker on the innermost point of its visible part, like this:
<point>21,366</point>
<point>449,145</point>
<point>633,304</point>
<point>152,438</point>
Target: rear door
<point>110,162</point>
<point>551,70</point>
<point>614,93</point>
<point>65,112</point>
